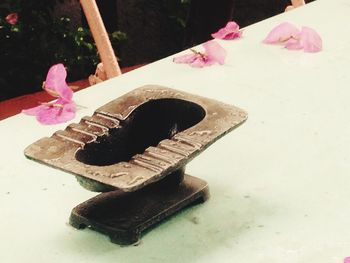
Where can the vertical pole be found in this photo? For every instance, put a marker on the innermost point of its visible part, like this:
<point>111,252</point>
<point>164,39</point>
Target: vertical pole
<point>297,3</point>
<point>100,35</point>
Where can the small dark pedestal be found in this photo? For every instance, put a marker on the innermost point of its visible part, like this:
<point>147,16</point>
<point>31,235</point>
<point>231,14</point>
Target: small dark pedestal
<point>124,217</point>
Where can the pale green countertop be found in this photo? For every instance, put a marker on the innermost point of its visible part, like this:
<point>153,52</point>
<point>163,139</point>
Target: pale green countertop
<point>279,183</point>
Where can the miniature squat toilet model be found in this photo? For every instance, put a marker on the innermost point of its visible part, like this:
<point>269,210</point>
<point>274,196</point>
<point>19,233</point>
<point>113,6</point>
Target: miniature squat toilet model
<point>134,149</point>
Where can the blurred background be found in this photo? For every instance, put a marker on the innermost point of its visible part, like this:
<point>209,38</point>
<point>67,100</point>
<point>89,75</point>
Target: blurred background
<point>37,34</point>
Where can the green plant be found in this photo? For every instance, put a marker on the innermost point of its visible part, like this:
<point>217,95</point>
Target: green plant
<point>36,40</point>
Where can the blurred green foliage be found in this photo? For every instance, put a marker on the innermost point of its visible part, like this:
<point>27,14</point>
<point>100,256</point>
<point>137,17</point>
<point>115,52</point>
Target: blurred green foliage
<point>38,40</point>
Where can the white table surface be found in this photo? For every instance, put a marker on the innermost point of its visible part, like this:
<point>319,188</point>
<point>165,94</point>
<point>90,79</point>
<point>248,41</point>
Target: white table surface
<point>280,184</point>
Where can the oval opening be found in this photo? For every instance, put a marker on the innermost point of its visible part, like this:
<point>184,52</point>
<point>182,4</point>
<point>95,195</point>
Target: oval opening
<point>146,126</point>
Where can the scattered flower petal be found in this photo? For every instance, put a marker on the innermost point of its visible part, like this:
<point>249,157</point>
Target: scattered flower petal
<point>59,111</point>
<point>12,18</point>
<point>230,31</point>
<point>310,40</point>
<point>294,39</point>
<point>186,59</point>
<point>281,33</point>
<point>213,53</point>
<point>293,44</point>
<point>196,60</point>
<point>347,260</point>
<point>55,83</point>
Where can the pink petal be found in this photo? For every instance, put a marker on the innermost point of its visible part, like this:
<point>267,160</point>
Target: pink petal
<point>230,31</point>
<point>232,26</point>
<point>33,111</point>
<point>53,115</point>
<point>281,33</point>
<point>187,59</point>
<point>200,62</point>
<point>293,44</point>
<point>347,260</point>
<point>12,18</point>
<point>310,40</point>
<point>194,60</point>
<point>214,52</point>
<point>56,82</point>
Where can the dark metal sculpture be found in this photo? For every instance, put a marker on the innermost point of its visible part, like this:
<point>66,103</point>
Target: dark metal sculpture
<point>135,149</point>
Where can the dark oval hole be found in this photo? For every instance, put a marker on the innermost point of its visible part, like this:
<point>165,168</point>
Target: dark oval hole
<point>146,126</point>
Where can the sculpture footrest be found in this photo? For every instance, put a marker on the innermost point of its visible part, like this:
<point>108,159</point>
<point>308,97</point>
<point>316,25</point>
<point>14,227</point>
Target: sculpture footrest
<point>125,216</point>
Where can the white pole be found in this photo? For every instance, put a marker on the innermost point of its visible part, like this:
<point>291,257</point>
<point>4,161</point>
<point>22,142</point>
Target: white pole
<point>100,35</point>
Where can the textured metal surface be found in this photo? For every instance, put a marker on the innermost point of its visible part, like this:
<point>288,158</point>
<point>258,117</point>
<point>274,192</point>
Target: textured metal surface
<point>125,216</point>
<point>77,149</point>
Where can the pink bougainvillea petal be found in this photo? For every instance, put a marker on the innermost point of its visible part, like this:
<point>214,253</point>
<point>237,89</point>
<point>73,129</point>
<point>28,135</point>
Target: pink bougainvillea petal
<point>230,31</point>
<point>310,40</point>
<point>12,18</point>
<point>281,33</point>
<point>56,112</point>
<point>56,115</point>
<point>188,58</point>
<point>55,83</point>
<point>195,60</point>
<point>347,260</point>
<point>61,110</point>
<point>215,52</point>
<point>294,39</point>
<point>293,44</point>
<point>33,111</point>
<point>200,62</point>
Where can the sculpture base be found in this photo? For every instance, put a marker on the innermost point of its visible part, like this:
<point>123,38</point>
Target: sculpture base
<point>125,216</point>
